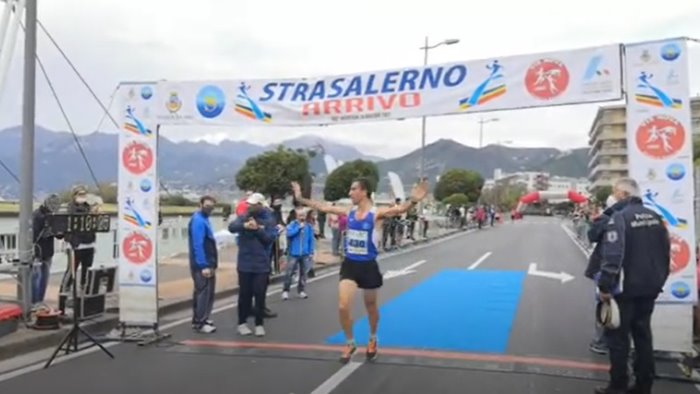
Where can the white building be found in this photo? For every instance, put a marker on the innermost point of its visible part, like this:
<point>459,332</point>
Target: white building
<point>530,180</point>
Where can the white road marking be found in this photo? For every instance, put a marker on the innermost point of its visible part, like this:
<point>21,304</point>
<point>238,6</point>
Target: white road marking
<point>572,236</point>
<point>337,378</point>
<point>404,271</point>
<point>561,276</point>
<point>481,260</point>
<point>277,289</point>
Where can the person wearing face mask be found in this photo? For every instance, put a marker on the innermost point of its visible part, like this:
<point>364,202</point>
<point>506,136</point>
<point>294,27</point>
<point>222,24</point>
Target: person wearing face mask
<point>257,231</point>
<point>83,244</point>
<point>204,261</point>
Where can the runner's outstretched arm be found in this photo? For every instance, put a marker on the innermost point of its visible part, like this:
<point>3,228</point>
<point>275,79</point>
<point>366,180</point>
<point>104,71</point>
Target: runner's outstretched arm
<point>317,205</point>
<point>418,193</point>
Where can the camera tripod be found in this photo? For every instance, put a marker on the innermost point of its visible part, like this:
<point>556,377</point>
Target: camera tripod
<point>71,338</point>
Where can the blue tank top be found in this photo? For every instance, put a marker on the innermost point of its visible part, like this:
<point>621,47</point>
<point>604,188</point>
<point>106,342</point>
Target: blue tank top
<point>360,239</point>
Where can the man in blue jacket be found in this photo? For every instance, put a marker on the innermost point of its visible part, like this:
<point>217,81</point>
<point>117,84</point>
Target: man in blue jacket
<point>300,241</point>
<point>204,261</point>
<point>256,233</point>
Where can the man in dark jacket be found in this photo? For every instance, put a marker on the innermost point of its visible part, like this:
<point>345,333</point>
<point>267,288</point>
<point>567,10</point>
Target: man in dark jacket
<point>595,236</point>
<point>257,231</point>
<point>636,252</point>
<point>204,261</point>
<point>83,245</point>
<point>43,251</point>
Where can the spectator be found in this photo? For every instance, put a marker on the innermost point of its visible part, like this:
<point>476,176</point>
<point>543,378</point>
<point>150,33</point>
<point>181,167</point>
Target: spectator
<point>43,251</point>
<point>595,236</point>
<point>203,264</point>
<point>636,251</point>
<point>301,242</point>
<point>83,245</point>
<point>256,233</point>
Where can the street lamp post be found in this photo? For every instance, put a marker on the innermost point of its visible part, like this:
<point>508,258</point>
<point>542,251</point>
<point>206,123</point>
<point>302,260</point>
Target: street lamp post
<point>482,121</point>
<point>425,49</point>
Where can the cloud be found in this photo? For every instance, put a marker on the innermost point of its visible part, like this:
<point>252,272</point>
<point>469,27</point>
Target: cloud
<point>119,40</point>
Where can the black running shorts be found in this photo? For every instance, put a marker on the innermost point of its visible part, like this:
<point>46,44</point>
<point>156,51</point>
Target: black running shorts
<point>366,274</point>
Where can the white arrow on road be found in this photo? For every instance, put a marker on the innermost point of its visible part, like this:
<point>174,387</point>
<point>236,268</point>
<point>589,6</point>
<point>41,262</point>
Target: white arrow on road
<point>404,271</point>
<point>562,276</point>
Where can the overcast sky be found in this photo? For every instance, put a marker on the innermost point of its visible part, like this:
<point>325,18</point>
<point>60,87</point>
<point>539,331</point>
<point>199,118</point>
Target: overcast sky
<point>129,40</point>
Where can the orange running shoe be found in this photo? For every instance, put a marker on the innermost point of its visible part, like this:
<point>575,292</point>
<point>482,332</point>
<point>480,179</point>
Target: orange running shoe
<point>372,349</point>
<point>349,350</point>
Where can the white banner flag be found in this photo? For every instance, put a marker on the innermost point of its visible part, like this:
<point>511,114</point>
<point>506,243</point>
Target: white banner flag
<point>545,79</point>
<point>138,205</point>
<point>660,151</point>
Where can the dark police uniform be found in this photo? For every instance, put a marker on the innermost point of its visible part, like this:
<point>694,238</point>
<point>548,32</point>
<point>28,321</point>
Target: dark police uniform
<point>636,247</point>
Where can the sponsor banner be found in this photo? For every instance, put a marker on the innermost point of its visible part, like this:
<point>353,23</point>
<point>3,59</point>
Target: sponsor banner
<point>538,80</point>
<point>660,151</point>
<point>137,225</point>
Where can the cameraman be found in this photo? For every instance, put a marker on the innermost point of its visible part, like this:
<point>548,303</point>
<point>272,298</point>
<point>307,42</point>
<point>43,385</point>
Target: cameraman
<point>83,245</point>
<point>43,251</point>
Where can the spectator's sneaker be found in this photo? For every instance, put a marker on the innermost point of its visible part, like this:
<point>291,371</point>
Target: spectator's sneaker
<point>206,329</point>
<point>371,352</point>
<point>349,350</point>
<point>244,330</point>
<point>303,295</point>
<point>285,295</point>
<point>259,331</point>
<point>598,348</point>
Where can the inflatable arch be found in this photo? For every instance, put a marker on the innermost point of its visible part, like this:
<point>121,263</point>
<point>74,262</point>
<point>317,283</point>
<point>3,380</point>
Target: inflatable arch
<point>576,198</point>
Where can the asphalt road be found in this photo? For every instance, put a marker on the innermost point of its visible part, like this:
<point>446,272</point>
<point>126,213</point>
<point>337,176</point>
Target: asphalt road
<point>466,318</point>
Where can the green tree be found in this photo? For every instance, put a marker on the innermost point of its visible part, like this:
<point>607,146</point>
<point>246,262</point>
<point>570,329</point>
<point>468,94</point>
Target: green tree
<point>177,200</point>
<point>338,182</point>
<point>696,151</point>
<point>602,193</point>
<point>457,199</point>
<point>457,181</point>
<point>504,195</point>
<point>271,173</point>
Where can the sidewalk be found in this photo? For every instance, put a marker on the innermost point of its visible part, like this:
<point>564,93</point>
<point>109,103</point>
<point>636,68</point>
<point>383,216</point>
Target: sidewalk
<point>174,290</point>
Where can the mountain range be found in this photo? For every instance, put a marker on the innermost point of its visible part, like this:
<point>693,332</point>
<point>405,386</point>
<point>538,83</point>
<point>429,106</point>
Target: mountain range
<point>59,164</point>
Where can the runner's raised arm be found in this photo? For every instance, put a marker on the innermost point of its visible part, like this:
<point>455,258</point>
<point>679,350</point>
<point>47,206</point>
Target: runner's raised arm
<point>317,205</point>
<point>418,193</point>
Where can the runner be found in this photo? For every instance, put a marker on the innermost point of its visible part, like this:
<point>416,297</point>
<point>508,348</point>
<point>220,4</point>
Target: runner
<point>359,268</point>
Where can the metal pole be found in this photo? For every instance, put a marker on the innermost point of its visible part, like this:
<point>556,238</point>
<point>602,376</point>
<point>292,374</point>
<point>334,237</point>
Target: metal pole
<point>481,132</point>
<point>10,41</point>
<point>422,145</point>
<point>27,164</point>
<point>5,22</point>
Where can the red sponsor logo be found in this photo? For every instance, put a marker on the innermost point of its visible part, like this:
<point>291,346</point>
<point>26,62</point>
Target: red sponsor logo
<point>660,136</point>
<point>680,254</point>
<point>547,79</point>
<point>137,158</point>
<point>137,248</point>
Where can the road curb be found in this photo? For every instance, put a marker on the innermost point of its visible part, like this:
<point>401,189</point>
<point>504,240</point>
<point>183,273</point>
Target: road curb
<point>110,320</point>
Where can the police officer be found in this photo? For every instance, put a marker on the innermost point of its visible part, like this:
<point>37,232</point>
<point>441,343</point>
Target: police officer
<point>636,247</point>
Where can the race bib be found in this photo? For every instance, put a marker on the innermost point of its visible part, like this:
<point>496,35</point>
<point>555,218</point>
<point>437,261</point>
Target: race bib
<point>358,242</point>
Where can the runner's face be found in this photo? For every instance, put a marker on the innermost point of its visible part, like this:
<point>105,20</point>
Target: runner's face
<point>357,193</point>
